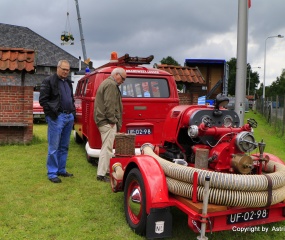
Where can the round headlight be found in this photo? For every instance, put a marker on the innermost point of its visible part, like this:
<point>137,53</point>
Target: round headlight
<point>193,131</point>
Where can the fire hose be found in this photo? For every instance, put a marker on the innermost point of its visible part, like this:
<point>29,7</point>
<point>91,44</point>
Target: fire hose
<point>225,189</point>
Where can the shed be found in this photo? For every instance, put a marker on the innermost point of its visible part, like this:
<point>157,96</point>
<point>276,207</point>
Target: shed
<point>189,80</point>
<point>215,72</point>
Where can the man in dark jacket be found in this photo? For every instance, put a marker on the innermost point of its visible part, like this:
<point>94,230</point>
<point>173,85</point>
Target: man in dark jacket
<point>56,98</point>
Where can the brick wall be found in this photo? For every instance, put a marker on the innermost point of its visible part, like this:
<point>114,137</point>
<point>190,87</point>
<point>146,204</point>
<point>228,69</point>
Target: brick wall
<point>16,114</point>
<point>191,96</point>
<point>188,98</point>
<point>184,98</point>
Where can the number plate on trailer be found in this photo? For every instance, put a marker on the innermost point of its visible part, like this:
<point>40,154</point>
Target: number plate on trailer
<point>247,216</point>
<point>139,131</point>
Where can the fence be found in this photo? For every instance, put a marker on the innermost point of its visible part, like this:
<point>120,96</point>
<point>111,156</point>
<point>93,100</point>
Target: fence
<point>272,109</point>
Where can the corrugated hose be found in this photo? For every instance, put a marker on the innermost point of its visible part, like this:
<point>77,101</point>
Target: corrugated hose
<point>226,189</point>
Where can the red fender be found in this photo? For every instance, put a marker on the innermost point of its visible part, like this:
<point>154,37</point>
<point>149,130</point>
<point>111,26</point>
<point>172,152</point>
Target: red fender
<point>271,157</point>
<point>153,177</point>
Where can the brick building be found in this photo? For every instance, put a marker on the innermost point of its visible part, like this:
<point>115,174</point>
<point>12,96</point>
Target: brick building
<point>26,58</point>
<point>46,53</point>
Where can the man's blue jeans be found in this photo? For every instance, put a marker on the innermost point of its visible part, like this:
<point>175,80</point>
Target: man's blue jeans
<point>59,131</point>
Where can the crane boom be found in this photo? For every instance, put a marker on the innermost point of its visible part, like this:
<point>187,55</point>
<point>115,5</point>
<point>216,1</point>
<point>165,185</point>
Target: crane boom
<point>81,31</point>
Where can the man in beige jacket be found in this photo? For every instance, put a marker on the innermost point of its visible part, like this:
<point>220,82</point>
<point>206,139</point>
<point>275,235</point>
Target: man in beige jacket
<point>108,110</point>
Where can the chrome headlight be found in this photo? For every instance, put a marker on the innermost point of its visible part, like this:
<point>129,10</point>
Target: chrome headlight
<point>193,131</point>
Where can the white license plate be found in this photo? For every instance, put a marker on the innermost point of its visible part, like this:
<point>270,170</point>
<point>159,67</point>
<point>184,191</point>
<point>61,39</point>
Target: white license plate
<point>139,131</point>
<point>247,216</point>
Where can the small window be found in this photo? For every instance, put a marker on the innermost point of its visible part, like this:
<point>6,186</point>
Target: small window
<point>85,87</point>
<point>81,87</point>
<point>145,88</point>
<point>47,70</point>
<point>36,96</point>
<point>78,89</point>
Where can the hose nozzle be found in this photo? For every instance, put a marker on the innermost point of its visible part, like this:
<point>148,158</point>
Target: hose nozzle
<point>261,147</point>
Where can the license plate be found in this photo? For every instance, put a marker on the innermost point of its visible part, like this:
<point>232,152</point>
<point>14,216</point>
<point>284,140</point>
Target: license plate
<point>139,131</point>
<point>247,216</point>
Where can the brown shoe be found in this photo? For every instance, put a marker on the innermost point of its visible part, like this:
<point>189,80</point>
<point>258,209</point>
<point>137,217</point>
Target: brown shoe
<point>103,178</point>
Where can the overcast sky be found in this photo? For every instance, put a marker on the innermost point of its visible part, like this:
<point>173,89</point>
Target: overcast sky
<point>178,28</point>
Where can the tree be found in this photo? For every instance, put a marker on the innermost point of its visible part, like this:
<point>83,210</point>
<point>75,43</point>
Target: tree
<point>232,76</point>
<point>170,61</point>
<point>259,91</point>
<point>277,87</point>
<point>254,78</point>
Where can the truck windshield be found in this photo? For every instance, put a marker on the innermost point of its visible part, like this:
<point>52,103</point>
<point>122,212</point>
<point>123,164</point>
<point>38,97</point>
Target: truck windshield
<point>145,88</point>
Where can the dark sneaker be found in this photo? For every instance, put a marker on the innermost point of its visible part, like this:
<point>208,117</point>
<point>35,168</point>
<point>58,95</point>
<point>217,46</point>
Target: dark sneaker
<point>65,174</point>
<point>103,178</point>
<point>55,180</point>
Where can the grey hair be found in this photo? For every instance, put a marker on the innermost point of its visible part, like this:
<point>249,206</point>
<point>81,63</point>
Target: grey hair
<point>62,61</point>
<point>118,70</point>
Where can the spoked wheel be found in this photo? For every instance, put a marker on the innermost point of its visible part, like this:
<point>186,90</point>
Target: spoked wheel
<point>135,202</point>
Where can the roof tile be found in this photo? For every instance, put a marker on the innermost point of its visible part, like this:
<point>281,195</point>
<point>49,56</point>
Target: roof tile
<point>184,74</point>
<point>47,53</point>
<point>17,59</point>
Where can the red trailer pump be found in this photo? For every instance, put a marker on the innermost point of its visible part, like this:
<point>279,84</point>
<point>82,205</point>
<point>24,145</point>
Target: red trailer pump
<point>206,168</point>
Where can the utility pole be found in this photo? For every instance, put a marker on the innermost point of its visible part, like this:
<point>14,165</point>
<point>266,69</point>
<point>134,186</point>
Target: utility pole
<point>241,59</point>
<point>278,36</point>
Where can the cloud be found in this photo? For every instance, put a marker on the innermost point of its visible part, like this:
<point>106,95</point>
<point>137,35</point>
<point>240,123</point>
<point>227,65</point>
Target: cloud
<point>181,29</point>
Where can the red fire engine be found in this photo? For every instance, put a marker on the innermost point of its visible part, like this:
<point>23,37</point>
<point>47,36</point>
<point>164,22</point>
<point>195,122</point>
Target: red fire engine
<point>148,94</point>
<point>197,158</point>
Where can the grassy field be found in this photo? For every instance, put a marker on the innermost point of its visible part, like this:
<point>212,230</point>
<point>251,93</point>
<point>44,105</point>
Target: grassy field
<point>31,207</point>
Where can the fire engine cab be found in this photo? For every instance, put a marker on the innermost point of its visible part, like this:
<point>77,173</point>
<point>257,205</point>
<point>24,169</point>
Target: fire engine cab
<point>148,94</point>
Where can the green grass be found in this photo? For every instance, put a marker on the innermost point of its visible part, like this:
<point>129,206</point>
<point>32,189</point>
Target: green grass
<point>31,207</point>
<point>274,144</point>
<point>34,208</point>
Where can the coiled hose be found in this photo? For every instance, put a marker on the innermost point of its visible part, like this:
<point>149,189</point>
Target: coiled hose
<point>225,189</point>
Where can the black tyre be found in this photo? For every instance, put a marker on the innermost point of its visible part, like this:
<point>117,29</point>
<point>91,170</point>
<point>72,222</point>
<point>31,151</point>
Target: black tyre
<point>77,138</point>
<point>135,202</point>
<point>92,160</point>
